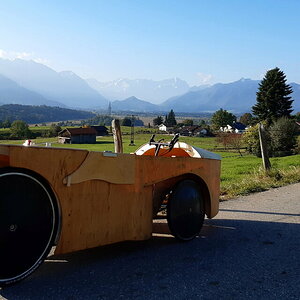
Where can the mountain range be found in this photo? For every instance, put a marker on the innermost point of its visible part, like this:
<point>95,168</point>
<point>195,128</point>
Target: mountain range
<point>64,88</point>
<point>13,93</point>
<point>236,96</point>
<point>135,105</point>
<point>149,90</point>
<point>32,83</point>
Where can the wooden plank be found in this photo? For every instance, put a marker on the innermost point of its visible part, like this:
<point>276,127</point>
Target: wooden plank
<point>93,212</point>
<point>4,156</point>
<point>54,164</point>
<point>157,169</point>
<point>118,169</point>
<point>4,150</point>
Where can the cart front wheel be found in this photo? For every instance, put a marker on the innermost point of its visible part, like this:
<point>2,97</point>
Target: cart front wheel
<point>185,210</point>
<point>27,224</point>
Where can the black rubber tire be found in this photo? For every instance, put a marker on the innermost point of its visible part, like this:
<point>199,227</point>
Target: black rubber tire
<point>185,210</point>
<point>28,224</point>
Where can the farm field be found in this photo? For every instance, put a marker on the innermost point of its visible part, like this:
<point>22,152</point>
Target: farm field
<point>240,175</point>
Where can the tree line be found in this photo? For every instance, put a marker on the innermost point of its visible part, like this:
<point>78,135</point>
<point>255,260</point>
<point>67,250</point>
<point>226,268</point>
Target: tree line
<point>39,114</point>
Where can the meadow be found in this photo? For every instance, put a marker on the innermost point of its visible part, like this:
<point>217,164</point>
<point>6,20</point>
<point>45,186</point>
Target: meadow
<point>240,175</point>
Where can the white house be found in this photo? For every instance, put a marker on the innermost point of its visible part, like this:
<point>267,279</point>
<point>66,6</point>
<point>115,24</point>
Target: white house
<point>162,127</point>
<point>237,127</point>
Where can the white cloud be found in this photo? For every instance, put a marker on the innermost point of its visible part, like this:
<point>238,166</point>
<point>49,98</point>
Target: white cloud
<point>204,78</point>
<point>2,53</point>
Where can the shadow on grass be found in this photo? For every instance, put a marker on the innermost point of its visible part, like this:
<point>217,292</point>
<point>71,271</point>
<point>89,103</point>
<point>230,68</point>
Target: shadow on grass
<point>230,259</point>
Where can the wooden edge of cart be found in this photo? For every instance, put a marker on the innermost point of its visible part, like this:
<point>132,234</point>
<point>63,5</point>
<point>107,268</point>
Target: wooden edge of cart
<point>100,198</point>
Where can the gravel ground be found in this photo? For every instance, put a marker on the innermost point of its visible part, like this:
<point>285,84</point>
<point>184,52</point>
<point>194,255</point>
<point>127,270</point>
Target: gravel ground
<point>251,250</point>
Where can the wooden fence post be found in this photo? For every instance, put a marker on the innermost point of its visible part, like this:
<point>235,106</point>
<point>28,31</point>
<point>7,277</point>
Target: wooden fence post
<point>263,147</point>
<point>116,129</point>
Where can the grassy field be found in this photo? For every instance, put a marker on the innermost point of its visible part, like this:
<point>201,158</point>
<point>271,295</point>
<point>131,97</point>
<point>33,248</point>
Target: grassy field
<point>244,175</point>
<point>240,175</point>
<point>106,143</point>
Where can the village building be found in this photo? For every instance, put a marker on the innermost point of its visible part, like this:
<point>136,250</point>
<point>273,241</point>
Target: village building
<point>163,127</point>
<point>77,136</point>
<point>100,130</point>
<point>236,127</point>
<point>194,130</point>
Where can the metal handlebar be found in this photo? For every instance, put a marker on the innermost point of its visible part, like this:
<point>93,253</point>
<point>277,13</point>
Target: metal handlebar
<point>158,144</point>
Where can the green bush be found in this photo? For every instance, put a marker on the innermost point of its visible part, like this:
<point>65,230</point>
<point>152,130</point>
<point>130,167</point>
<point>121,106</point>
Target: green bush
<point>297,148</point>
<point>19,129</point>
<point>283,137</point>
<point>251,140</point>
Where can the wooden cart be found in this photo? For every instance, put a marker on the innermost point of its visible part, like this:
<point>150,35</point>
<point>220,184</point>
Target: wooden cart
<point>78,199</point>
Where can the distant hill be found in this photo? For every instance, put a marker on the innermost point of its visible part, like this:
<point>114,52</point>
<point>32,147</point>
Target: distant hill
<point>40,114</point>
<point>12,93</point>
<point>64,87</point>
<point>296,96</point>
<point>135,105</point>
<point>238,96</point>
<point>149,90</point>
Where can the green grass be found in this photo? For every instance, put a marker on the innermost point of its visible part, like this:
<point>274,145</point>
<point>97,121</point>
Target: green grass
<point>244,175</point>
<point>106,143</point>
<point>240,175</point>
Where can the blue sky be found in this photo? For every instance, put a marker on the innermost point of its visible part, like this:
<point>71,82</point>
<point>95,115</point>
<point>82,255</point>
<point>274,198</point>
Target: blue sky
<point>198,41</point>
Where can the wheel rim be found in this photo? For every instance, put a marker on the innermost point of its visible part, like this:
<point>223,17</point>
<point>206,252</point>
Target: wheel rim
<point>185,210</point>
<point>26,225</point>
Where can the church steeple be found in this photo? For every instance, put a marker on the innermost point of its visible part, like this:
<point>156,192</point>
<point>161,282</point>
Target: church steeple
<point>109,109</point>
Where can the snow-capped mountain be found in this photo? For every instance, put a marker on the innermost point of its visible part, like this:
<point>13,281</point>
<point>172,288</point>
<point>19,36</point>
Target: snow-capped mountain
<point>148,90</point>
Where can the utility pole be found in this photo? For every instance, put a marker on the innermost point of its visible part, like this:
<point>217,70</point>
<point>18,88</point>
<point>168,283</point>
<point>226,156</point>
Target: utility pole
<point>263,147</point>
<point>132,132</point>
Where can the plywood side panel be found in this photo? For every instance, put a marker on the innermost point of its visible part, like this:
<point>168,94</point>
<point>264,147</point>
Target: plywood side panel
<point>53,164</point>
<point>99,213</point>
<point>4,150</point>
<point>156,169</point>
<point>93,212</point>
<point>115,168</point>
<point>4,156</point>
<point>211,175</point>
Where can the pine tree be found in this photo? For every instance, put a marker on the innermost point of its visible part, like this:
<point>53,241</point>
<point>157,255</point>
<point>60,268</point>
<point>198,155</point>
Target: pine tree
<point>157,121</point>
<point>272,99</point>
<point>170,119</point>
<point>246,119</point>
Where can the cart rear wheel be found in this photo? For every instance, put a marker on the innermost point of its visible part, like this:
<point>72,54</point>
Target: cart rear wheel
<point>185,210</point>
<point>27,224</point>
